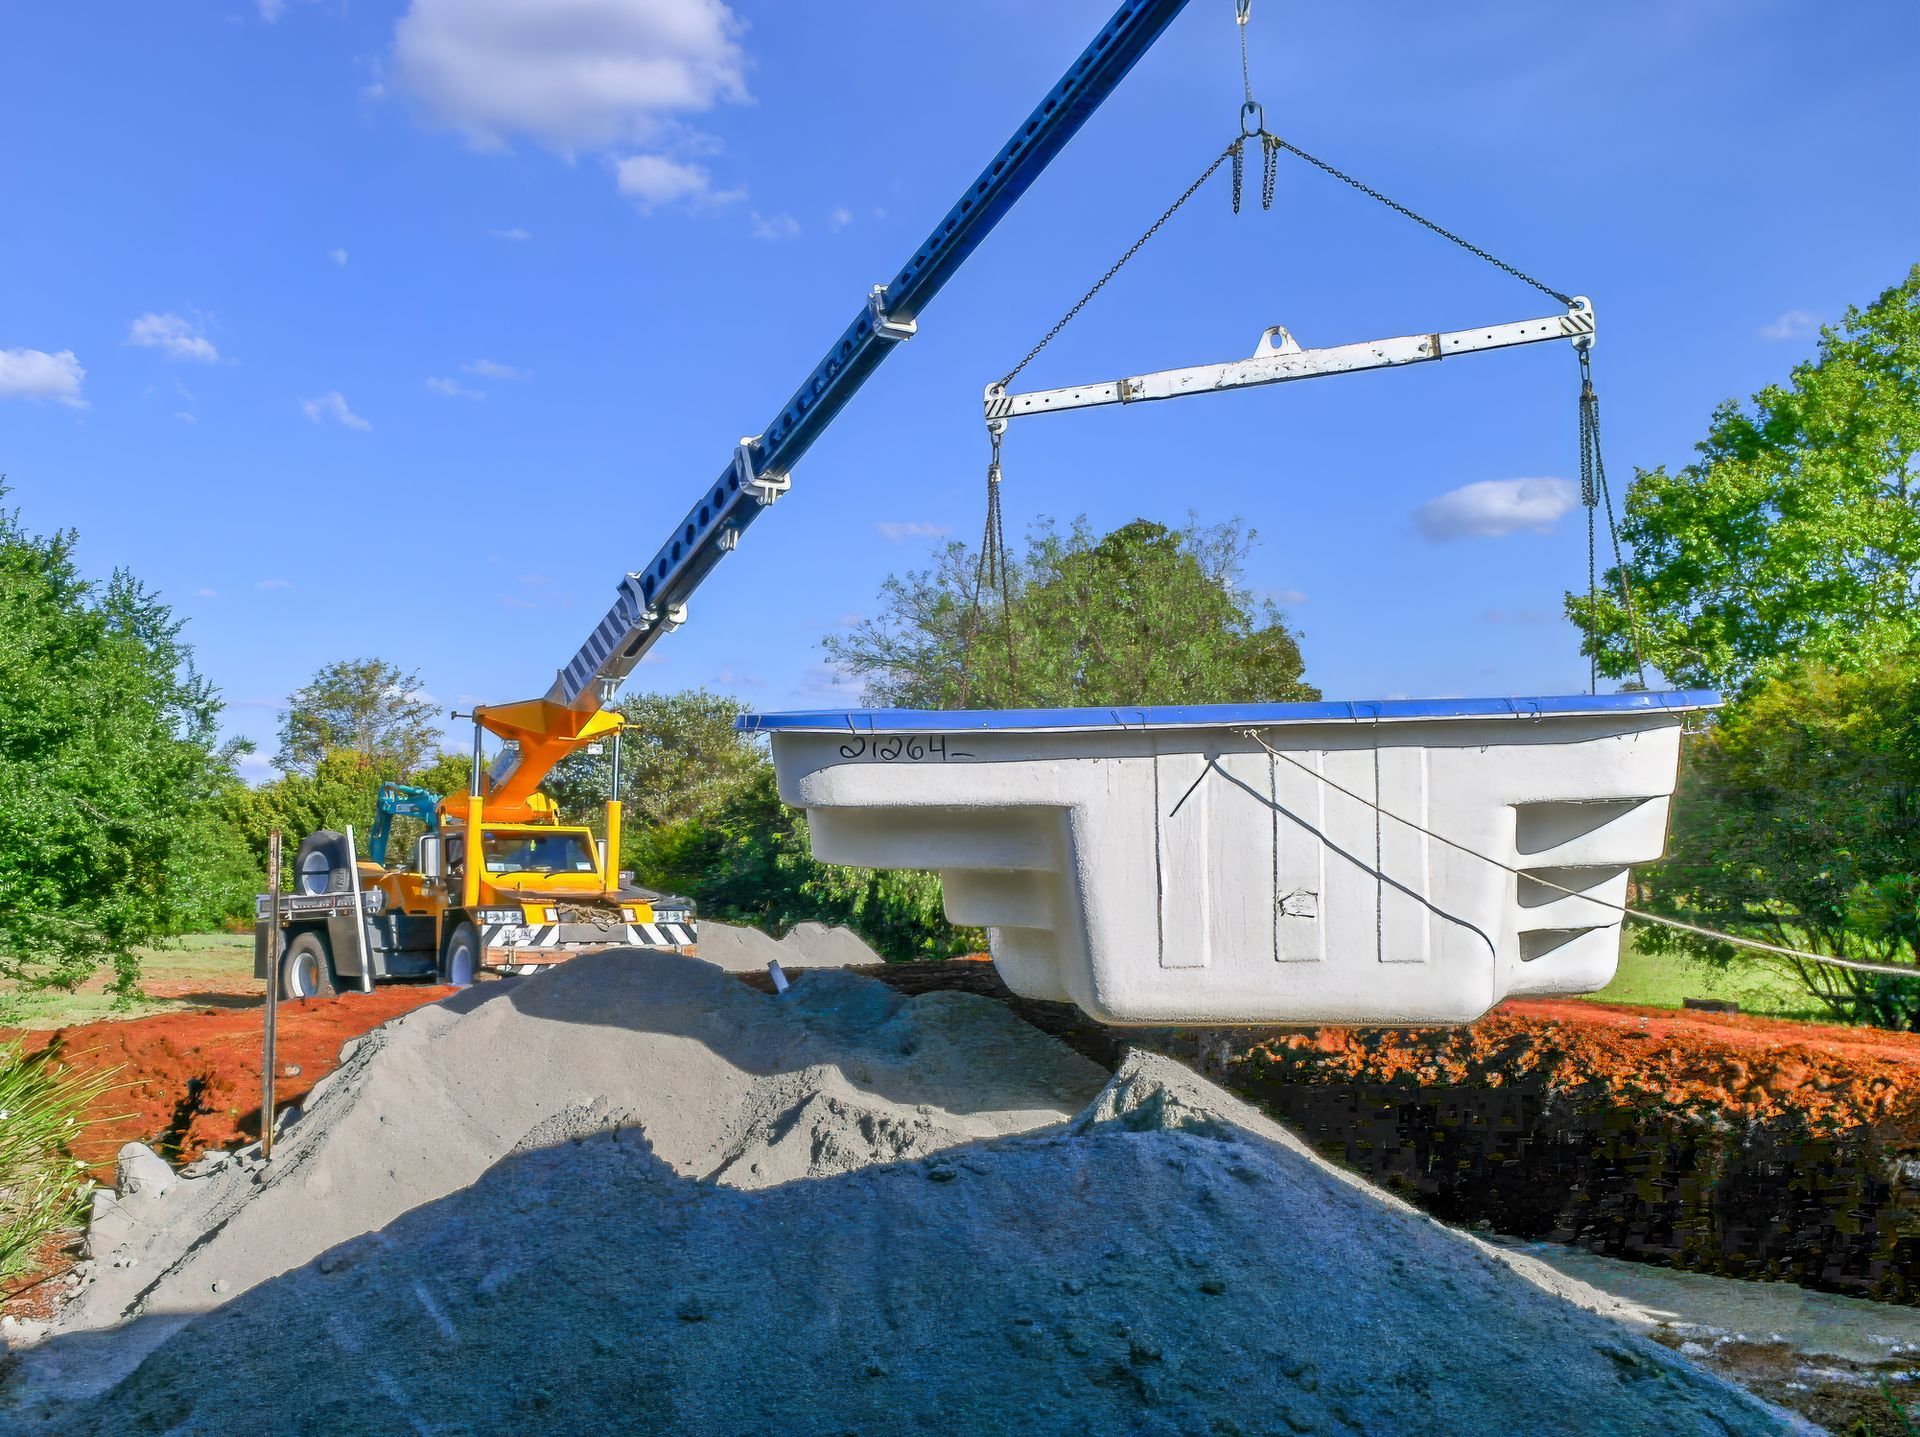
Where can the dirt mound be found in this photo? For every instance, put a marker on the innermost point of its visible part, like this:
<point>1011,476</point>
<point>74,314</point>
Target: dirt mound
<point>189,1082</point>
<point>1168,1263</point>
<point>1829,1079</point>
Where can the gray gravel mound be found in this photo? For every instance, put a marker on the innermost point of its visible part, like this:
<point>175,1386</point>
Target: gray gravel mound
<point>1167,1263</point>
<point>806,945</point>
<point>728,1084</point>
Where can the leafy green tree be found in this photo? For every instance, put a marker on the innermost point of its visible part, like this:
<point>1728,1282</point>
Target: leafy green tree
<point>1146,614</point>
<point>364,706</point>
<point>109,767</point>
<point>1795,536</point>
<point>750,861</point>
<point>1798,822</point>
<point>342,790</point>
<point>679,756</point>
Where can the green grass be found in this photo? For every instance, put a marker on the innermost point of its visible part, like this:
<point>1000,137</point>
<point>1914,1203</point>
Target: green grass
<point>1665,980</point>
<point>42,1186</point>
<point>219,963</point>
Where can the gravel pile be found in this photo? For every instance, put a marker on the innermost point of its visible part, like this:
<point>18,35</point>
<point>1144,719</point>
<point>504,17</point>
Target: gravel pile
<point>633,1195</point>
<point>807,945</point>
<point>728,1085</point>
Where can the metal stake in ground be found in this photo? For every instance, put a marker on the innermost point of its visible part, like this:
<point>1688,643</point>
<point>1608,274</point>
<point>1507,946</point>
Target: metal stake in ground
<point>273,992</point>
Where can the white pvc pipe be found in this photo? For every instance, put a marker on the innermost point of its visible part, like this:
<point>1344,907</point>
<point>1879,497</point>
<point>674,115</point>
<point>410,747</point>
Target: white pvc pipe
<point>359,912</point>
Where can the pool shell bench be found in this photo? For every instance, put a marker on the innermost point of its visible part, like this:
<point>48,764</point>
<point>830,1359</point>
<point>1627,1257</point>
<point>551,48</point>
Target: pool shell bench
<point>1400,861</point>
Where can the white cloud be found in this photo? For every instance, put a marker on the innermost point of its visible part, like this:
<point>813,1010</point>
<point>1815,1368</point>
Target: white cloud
<point>840,218</point>
<point>338,256</point>
<point>488,369</point>
<point>575,74</point>
<point>899,533</point>
<point>1493,508</point>
<point>782,226</point>
<point>1285,596</point>
<point>453,389</point>
<point>271,10</point>
<point>184,417</point>
<point>332,405</point>
<point>274,584</point>
<point>654,180</point>
<point>1794,324</point>
<point>256,765</point>
<point>174,336</point>
<point>206,593</point>
<point>515,235</point>
<point>35,374</point>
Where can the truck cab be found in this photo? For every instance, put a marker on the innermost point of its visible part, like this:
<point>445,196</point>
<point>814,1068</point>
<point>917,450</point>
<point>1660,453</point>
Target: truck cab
<point>532,892</point>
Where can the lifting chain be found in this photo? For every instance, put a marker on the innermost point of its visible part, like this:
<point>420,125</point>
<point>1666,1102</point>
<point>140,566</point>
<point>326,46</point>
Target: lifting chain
<point>1253,122</point>
<point>992,567</point>
<point>1593,493</point>
<point>1119,264</point>
<point>1419,219</point>
<point>990,570</point>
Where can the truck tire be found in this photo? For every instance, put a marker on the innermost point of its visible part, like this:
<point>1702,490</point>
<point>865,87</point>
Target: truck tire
<point>325,863</point>
<point>460,956</point>
<point>306,968</point>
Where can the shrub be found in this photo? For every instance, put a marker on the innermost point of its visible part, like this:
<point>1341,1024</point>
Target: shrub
<point>43,1188</point>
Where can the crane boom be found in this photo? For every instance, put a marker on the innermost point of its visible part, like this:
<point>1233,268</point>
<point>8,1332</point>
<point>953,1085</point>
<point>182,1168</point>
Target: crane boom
<point>651,601</point>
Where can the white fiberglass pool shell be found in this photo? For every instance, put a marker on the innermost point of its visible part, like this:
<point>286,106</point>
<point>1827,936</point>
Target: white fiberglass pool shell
<point>1261,863</point>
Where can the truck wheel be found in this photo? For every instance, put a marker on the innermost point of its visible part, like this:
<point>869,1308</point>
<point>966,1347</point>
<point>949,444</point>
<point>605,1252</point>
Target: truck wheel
<point>460,959</point>
<point>305,970</point>
<point>325,863</point>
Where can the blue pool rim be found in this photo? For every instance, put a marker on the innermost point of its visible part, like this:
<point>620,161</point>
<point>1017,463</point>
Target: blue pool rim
<point>1678,701</point>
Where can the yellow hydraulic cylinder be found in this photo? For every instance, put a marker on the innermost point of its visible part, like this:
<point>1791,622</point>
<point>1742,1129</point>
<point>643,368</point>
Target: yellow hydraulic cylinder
<point>476,855</point>
<point>612,874</point>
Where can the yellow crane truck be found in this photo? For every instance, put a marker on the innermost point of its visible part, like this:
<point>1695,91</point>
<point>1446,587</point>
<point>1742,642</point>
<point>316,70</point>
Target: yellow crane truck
<point>496,883</point>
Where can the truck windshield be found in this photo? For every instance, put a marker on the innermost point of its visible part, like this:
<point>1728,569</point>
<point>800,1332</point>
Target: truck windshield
<point>537,853</point>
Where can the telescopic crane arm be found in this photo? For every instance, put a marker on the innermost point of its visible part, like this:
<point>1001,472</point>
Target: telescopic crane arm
<point>652,600</point>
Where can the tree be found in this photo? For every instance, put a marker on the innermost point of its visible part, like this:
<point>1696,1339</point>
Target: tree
<point>363,706</point>
<point>1796,534</point>
<point>679,756</point>
<point>1146,614</point>
<point>750,860</point>
<point>109,768</point>
<point>1798,822</point>
<point>342,790</point>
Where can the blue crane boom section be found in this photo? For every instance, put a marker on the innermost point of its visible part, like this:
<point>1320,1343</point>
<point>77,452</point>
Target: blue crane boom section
<point>650,601</point>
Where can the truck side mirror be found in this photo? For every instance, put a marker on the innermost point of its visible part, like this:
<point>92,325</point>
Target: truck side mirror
<point>601,845</point>
<point>427,855</point>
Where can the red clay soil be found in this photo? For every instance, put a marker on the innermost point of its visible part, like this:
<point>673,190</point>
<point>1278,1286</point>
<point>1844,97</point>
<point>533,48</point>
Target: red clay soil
<point>190,1082</point>
<point>1832,1078</point>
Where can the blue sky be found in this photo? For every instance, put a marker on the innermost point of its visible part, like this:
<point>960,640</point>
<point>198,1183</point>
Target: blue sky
<point>406,328</point>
